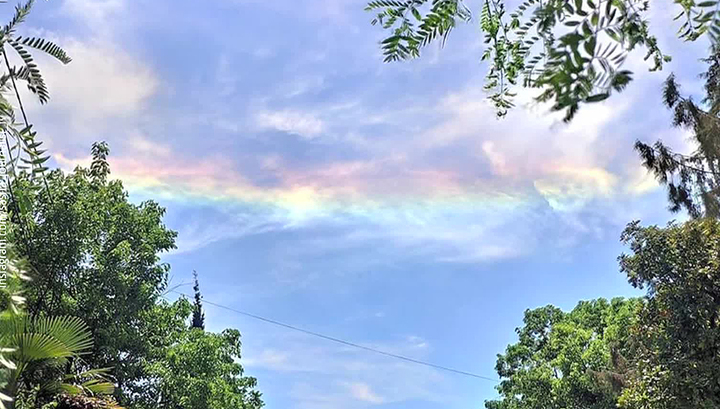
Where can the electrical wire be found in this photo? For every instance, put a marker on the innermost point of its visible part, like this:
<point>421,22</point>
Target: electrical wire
<point>343,342</point>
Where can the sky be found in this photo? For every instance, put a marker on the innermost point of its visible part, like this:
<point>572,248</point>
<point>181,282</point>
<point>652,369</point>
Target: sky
<point>383,204</point>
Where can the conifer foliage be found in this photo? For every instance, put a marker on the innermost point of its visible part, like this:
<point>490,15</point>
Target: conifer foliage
<point>198,318</point>
<point>693,181</point>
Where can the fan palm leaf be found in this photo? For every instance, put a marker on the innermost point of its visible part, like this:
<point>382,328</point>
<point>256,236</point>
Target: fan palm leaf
<point>44,341</point>
<point>91,382</point>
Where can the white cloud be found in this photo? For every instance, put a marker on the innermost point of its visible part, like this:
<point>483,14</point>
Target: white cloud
<point>530,151</point>
<point>96,14</point>
<point>262,53</point>
<point>485,253</point>
<point>641,181</point>
<point>105,88</point>
<point>363,392</point>
<point>567,188</point>
<point>291,121</point>
<point>496,158</point>
<point>140,144</point>
<point>417,342</point>
<point>195,234</point>
<point>102,82</point>
<point>337,12</point>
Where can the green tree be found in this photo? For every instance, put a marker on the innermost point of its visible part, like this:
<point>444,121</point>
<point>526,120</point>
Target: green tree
<point>677,336</point>
<point>567,360</point>
<point>693,181</point>
<point>95,256</point>
<point>198,318</point>
<point>572,51</point>
<point>201,370</point>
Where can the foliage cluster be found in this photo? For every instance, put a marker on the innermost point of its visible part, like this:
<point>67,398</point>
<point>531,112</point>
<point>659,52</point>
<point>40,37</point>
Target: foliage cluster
<point>657,352</point>
<point>571,50</point>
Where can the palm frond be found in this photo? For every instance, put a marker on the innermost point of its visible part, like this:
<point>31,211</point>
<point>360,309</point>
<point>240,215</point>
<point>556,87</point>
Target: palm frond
<point>71,331</point>
<point>39,347</point>
<point>71,389</point>
<point>98,387</point>
<point>46,338</point>
<point>79,401</point>
<point>93,382</point>
<point>96,373</point>
<point>4,398</point>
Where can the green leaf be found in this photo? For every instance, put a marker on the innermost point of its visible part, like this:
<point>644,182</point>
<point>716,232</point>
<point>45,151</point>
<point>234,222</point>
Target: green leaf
<point>417,15</point>
<point>590,45</point>
<point>578,5</point>
<point>48,47</point>
<point>597,97</point>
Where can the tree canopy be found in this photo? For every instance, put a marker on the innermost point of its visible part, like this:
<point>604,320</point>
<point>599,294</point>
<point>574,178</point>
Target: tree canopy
<point>658,352</point>
<point>693,181</point>
<point>567,360</point>
<point>572,51</point>
<point>201,370</point>
<point>677,336</point>
<point>95,256</point>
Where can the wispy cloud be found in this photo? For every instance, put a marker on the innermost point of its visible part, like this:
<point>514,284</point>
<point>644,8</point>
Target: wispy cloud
<point>363,392</point>
<point>98,15</point>
<point>139,143</point>
<point>346,377</point>
<point>472,209</point>
<point>225,77</point>
<point>290,121</point>
<point>103,82</point>
<point>430,173</point>
<point>105,90</point>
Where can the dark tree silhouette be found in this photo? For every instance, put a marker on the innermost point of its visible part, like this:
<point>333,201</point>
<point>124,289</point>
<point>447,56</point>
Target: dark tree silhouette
<point>693,180</point>
<point>198,319</point>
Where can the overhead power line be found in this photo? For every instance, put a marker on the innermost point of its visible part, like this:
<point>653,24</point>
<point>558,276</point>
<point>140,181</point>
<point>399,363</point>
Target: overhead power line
<point>343,342</point>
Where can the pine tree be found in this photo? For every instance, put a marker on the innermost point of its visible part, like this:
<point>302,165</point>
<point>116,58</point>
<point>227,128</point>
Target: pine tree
<point>198,319</point>
<point>693,181</point>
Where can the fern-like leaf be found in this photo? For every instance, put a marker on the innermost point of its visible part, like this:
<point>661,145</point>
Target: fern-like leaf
<point>36,84</point>
<point>45,46</point>
<point>21,12</point>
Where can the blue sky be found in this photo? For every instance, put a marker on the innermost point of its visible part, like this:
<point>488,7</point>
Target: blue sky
<point>383,204</point>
